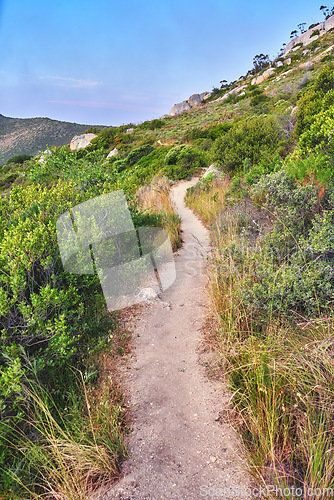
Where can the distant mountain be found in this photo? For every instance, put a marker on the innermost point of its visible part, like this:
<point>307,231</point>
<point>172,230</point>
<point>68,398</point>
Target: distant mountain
<point>31,135</point>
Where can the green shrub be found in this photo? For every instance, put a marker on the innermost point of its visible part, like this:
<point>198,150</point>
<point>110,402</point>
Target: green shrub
<point>153,124</point>
<point>315,33</point>
<point>314,99</point>
<point>209,133</point>
<point>251,139</point>
<point>183,161</point>
<point>19,159</point>
<point>86,169</point>
<point>137,153</point>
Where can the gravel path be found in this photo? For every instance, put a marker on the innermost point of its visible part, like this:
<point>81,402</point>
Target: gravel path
<point>178,446</point>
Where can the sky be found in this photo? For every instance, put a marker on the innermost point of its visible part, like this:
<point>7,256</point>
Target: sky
<point>113,62</point>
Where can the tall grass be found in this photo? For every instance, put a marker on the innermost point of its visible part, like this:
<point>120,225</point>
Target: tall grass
<point>280,371</point>
<point>68,456</point>
<point>207,197</point>
<point>155,198</point>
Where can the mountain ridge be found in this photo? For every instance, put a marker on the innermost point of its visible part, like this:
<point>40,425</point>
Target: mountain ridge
<point>32,135</point>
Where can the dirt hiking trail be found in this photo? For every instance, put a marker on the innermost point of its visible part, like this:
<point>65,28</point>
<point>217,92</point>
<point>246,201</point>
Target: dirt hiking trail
<point>178,448</point>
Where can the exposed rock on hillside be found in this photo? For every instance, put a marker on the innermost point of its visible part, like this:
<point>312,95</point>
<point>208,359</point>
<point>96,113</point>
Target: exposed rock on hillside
<point>112,153</point>
<point>307,37</point>
<point>259,79</point>
<point>179,108</point>
<point>81,141</point>
<point>211,170</point>
<point>44,156</point>
<point>195,100</point>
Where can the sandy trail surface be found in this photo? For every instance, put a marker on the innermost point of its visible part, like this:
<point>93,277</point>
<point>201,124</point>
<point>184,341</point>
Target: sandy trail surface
<point>179,448</point>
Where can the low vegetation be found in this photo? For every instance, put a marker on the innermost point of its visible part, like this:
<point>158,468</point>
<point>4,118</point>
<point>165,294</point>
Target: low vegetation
<point>272,292</point>
<point>63,416</point>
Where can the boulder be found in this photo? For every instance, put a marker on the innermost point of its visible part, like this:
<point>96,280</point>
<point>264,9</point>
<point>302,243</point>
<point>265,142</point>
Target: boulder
<point>195,100</point>
<point>258,80</point>
<point>179,109</point>
<point>211,170</point>
<point>44,156</point>
<point>81,141</point>
<point>268,73</point>
<point>306,65</point>
<point>237,90</point>
<point>112,153</point>
<point>129,130</point>
<point>278,64</point>
<point>294,111</point>
<point>288,61</point>
<point>205,95</point>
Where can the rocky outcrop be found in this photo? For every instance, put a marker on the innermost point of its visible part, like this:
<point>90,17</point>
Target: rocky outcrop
<point>306,65</point>
<point>180,108</point>
<point>259,79</point>
<point>205,95</point>
<point>307,37</point>
<point>81,141</point>
<point>112,153</point>
<point>44,156</point>
<point>195,100</point>
<point>212,170</point>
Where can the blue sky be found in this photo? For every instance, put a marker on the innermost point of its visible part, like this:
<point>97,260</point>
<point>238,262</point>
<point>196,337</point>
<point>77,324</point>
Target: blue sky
<point>112,62</point>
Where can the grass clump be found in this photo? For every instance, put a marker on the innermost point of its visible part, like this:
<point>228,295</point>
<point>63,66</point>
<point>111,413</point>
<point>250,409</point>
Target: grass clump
<point>154,199</point>
<point>272,300</point>
<point>68,455</point>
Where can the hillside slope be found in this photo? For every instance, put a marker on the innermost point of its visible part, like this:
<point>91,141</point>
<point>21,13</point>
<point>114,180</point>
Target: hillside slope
<point>31,135</point>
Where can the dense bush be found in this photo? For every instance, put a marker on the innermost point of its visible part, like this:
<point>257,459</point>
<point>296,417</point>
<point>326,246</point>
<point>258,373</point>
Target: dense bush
<point>19,159</point>
<point>86,169</point>
<point>250,139</point>
<point>317,96</point>
<point>208,133</point>
<point>153,124</point>
<point>294,270</point>
<point>137,153</point>
<point>183,161</point>
<point>48,318</point>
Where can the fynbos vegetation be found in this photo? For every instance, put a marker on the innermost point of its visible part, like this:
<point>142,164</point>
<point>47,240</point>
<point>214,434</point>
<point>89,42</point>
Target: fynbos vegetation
<point>63,417</point>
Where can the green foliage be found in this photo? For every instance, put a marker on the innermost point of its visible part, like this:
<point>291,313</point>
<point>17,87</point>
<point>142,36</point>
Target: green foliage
<point>313,167</point>
<point>153,124</point>
<point>85,169</point>
<point>319,136</point>
<point>260,62</point>
<point>254,174</point>
<point>317,96</point>
<point>19,159</point>
<point>137,153</point>
<point>292,271</point>
<point>250,139</point>
<point>208,133</point>
<point>183,161</point>
<point>315,33</point>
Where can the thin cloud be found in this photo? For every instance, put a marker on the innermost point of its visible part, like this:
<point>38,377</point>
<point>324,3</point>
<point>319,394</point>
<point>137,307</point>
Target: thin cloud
<point>109,105</point>
<point>63,81</point>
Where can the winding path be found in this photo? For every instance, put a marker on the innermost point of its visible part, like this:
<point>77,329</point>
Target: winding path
<point>178,447</point>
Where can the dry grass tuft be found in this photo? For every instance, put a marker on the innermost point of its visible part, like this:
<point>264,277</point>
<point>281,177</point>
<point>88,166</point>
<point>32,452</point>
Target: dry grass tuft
<point>155,199</point>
